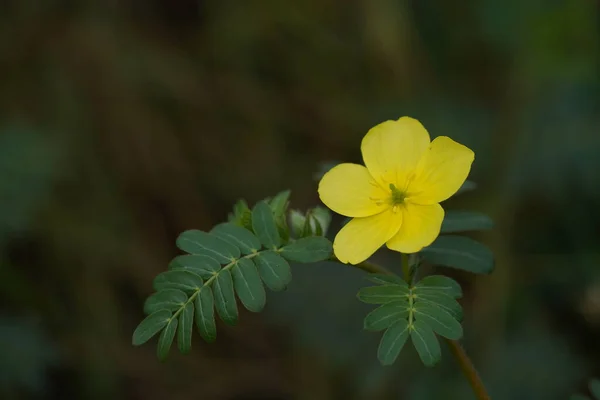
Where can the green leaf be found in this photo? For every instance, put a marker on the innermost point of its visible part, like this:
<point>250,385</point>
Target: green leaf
<point>204,266</point>
<point>165,340</point>
<point>462,221</point>
<point>308,249</point>
<point>467,187</point>
<point>438,319</point>
<point>461,253</point>
<point>168,299</point>
<point>240,237</point>
<point>425,343</point>
<point>386,315</point>
<point>595,388</point>
<point>274,270</point>
<point>205,315</point>
<point>323,217</point>
<point>440,284</point>
<point>384,279</point>
<point>279,203</point>
<point>178,279</point>
<point>297,220</point>
<point>150,326</point>
<point>264,226</point>
<point>225,298</point>
<point>383,294</point>
<point>248,285</point>
<point>442,300</point>
<point>198,242</point>
<point>242,216</point>
<point>392,342</point>
<point>184,334</point>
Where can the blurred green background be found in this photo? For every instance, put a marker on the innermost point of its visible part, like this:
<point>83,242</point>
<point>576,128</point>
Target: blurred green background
<point>124,122</point>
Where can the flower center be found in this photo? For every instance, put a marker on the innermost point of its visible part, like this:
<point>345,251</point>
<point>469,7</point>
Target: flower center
<point>398,196</point>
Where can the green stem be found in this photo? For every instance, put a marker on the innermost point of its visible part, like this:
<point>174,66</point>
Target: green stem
<point>406,269</point>
<point>464,362</point>
<point>468,369</point>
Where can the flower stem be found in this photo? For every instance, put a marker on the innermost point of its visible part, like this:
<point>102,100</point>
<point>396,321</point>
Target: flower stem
<point>464,362</point>
<point>468,369</point>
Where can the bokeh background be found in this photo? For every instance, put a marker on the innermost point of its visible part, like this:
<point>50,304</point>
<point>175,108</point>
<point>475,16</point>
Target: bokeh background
<point>124,122</point>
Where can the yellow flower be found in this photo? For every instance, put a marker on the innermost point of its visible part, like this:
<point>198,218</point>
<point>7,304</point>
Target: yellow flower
<point>395,199</point>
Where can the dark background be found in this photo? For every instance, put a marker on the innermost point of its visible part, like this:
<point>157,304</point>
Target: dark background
<point>124,122</point>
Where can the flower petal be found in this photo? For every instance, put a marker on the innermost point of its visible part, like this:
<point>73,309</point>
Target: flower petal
<point>392,150</point>
<point>420,227</point>
<point>349,189</point>
<point>441,171</point>
<point>361,237</point>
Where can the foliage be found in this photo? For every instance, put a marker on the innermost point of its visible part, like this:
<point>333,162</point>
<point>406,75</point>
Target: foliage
<point>235,258</point>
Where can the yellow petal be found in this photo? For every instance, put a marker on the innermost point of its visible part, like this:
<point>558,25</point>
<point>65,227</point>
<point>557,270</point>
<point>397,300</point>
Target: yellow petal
<point>392,150</point>
<point>420,227</point>
<point>349,189</point>
<point>361,237</point>
<point>441,171</point>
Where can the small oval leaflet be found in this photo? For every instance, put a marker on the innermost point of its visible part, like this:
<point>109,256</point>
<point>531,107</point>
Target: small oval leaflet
<point>443,301</point>
<point>386,315</point>
<point>438,319</point>
<point>439,284</point>
<point>150,326</point>
<point>237,236</point>
<point>198,242</point>
<point>165,340</point>
<point>264,225</point>
<point>178,279</point>
<point>392,342</point>
<point>201,265</point>
<point>168,299</point>
<point>307,250</point>
<point>383,294</point>
<point>274,270</point>
<point>461,253</point>
<point>205,315</point>
<point>225,298</point>
<point>426,344</point>
<point>184,333</point>
<point>248,285</point>
<point>463,221</point>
